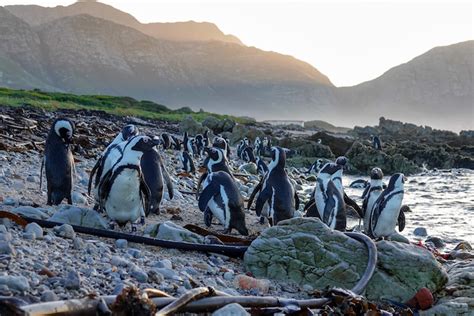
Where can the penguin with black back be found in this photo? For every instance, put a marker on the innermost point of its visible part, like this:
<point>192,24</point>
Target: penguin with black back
<point>277,194</point>
<point>156,177</point>
<point>167,141</point>
<point>215,161</point>
<point>186,160</point>
<point>387,211</point>
<point>123,192</point>
<point>262,167</point>
<point>376,142</point>
<point>221,198</point>
<point>59,162</point>
<point>371,195</point>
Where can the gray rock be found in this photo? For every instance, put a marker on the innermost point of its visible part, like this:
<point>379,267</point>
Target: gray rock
<point>74,215</point>
<point>166,273</point>
<point>65,231</point>
<point>164,263</point>
<point>78,198</point>
<point>121,243</point>
<point>233,309</point>
<point>420,231</point>
<point>135,253</point>
<point>29,236</point>
<point>118,288</point>
<point>49,296</point>
<point>5,237</point>
<point>436,241</point>
<point>32,179</point>
<point>170,231</point>
<point>140,275</point>
<point>305,251</point>
<point>6,248</point>
<point>9,201</point>
<point>34,229</point>
<point>119,262</point>
<point>249,168</point>
<point>30,211</point>
<point>78,243</point>
<point>155,276</point>
<point>229,275</point>
<point>15,283</point>
<point>72,281</point>
<point>3,229</point>
<point>191,126</point>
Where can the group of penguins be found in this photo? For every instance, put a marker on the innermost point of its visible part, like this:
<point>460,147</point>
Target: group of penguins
<point>128,180</point>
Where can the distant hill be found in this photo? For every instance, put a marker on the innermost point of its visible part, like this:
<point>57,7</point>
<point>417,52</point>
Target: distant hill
<point>93,48</point>
<point>317,124</point>
<point>181,31</point>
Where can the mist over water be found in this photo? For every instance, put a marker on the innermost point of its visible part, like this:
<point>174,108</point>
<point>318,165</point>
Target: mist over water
<point>441,201</point>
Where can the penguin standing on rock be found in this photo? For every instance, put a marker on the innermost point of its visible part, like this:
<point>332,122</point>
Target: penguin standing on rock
<point>123,192</point>
<point>59,162</point>
<point>376,143</point>
<point>371,194</point>
<point>315,167</point>
<point>187,161</point>
<point>110,156</point>
<point>156,176</point>
<point>277,194</point>
<point>221,198</point>
<point>386,212</point>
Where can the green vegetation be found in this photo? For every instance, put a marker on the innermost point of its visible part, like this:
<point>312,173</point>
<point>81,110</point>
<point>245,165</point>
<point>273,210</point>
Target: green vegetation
<point>110,104</point>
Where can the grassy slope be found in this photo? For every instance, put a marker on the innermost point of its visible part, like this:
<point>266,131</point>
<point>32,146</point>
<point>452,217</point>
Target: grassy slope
<point>110,104</point>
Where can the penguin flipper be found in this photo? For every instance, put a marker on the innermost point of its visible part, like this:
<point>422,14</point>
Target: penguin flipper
<point>263,197</point>
<point>166,177</point>
<point>401,220</point>
<point>104,188</point>
<point>354,205</point>
<point>145,194</point>
<point>297,201</point>
<point>207,194</point>
<point>91,176</point>
<point>201,179</point>
<point>257,188</point>
<point>312,210</point>
<point>41,172</point>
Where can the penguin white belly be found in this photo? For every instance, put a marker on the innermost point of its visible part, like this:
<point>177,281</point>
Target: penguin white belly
<point>374,195</point>
<point>218,210</point>
<point>388,218</point>
<point>123,203</point>
<point>332,221</point>
<point>320,202</point>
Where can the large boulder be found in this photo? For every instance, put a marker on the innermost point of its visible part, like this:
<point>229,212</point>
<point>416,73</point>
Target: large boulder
<point>363,158</point>
<point>241,131</point>
<point>73,215</point>
<point>306,148</point>
<point>306,251</point>
<point>190,125</point>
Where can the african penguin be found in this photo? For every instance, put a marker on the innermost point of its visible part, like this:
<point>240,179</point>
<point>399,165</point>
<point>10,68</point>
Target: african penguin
<point>240,148</point>
<point>199,143</point>
<point>315,167</point>
<point>123,192</point>
<point>156,177</point>
<point>386,210</point>
<point>167,141</point>
<point>247,154</point>
<point>277,194</point>
<point>261,166</point>
<point>187,160</point>
<point>376,143</point>
<point>205,139</point>
<point>221,198</point>
<point>111,154</point>
<point>215,161</point>
<point>371,194</point>
<point>59,162</point>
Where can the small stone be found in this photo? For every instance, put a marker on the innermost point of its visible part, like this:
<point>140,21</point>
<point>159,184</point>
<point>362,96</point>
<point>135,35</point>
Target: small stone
<point>229,275</point>
<point>15,283</point>
<point>233,309</point>
<point>65,230</point>
<point>165,263</point>
<point>7,249</point>
<point>119,262</point>
<point>29,236</point>
<point>9,201</point>
<point>34,229</point>
<point>77,243</point>
<point>140,275</point>
<point>167,273</point>
<point>78,198</point>
<point>420,231</point>
<point>245,282</point>
<point>49,296</point>
<point>121,243</point>
<point>135,253</point>
<point>32,179</point>
<point>72,281</point>
<point>155,276</point>
<point>118,289</point>
<point>5,237</point>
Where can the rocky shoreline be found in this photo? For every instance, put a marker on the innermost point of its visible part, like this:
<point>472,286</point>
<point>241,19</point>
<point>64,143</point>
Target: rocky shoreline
<point>49,264</point>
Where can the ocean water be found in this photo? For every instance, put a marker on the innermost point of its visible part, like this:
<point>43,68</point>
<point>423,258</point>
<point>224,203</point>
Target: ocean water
<point>441,201</point>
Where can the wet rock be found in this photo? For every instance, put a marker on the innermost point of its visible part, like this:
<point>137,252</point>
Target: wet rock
<point>250,168</point>
<point>171,231</point>
<point>233,309</point>
<point>420,231</point>
<point>49,296</point>
<point>121,243</point>
<point>306,251</point>
<point>30,211</point>
<point>9,201</point>
<point>35,229</point>
<point>74,215</point>
<point>436,241</point>
<point>65,231</point>
<point>15,283</point>
<point>72,280</point>
<point>6,248</point>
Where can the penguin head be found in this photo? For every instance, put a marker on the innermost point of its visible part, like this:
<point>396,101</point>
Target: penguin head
<point>246,141</point>
<point>341,161</point>
<point>278,158</point>
<point>376,174</point>
<point>397,181</point>
<point>329,169</point>
<point>214,154</point>
<point>219,142</point>
<point>143,143</point>
<point>64,129</point>
<point>129,131</point>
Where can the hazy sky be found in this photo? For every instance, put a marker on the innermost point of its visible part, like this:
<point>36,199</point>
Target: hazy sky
<point>349,41</point>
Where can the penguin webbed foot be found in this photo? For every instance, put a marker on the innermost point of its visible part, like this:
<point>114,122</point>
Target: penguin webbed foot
<point>142,220</point>
<point>112,225</point>
<point>261,220</point>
